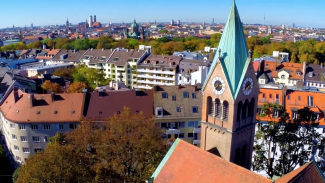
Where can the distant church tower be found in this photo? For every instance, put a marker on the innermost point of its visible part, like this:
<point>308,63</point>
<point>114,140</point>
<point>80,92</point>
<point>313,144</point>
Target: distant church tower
<point>230,94</point>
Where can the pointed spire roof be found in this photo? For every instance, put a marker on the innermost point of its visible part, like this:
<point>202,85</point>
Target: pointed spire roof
<point>233,52</point>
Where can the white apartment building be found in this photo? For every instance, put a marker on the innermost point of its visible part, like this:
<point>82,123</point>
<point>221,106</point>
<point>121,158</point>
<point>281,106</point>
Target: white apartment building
<point>192,72</point>
<point>28,120</point>
<point>157,70</point>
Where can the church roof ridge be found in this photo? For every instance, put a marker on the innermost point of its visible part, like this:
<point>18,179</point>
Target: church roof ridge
<point>234,52</point>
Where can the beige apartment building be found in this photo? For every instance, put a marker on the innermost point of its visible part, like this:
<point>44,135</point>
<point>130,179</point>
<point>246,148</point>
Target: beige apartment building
<point>28,120</point>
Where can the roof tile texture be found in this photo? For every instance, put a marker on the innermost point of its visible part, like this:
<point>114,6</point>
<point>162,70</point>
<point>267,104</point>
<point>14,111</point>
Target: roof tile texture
<point>190,164</point>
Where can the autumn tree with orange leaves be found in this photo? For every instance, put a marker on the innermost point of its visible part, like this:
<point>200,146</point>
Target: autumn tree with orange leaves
<point>52,87</point>
<point>77,87</point>
<point>124,148</point>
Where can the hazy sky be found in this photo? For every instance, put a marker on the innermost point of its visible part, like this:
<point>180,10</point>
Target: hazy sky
<point>49,12</point>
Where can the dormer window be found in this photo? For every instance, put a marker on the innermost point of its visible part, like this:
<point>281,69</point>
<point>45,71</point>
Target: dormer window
<point>298,73</point>
<point>283,76</point>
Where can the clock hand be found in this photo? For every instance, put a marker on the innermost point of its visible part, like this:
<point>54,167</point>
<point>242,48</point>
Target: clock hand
<point>248,87</point>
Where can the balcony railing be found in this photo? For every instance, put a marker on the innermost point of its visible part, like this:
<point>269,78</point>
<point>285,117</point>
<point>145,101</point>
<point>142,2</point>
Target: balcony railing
<point>273,101</point>
<point>156,71</point>
<point>197,130</point>
<point>155,83</point>
<point>295,103</point>
<point>172,131</point>
<point>196,141</point>
<point>156,77</point>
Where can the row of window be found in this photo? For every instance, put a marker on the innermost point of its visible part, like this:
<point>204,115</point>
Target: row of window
<point>175,125</point>
<point>277,96</point>
<point>25,139</point>
<point>185,95</point>
<point>45,126</point>
<point>181,135</point>
<point>194,109</point>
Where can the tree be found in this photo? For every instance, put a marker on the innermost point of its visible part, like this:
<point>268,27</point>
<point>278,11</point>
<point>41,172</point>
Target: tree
<point>124,148</point>
<point>77,87</point>
<point>65,73</point>
<point>163,31</point>
<point>37,44</point>
<point>282,144</point>
<point>91,76</point>
<point>52,87</point>
<point>67,165</point>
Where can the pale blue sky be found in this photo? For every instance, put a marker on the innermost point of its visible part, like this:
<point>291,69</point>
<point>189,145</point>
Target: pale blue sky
<point>49,12</point>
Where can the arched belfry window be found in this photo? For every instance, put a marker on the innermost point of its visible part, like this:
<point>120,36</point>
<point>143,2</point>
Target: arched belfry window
<point>225,110</point>
<point>239,108</point>
<point>244,110</point>
<point>243,155</point>
<point>218,108</point>
<point>251,108</point>
<point>209,106</point>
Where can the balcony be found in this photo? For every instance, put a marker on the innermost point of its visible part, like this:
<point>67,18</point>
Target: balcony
<point>196,141</point>
<point>156,77</point>
<point>143,87</point>
<point>197,130</point>
<point>172,131</point>
<point>272,101</point>
<point>295,103</point>
<point>154,71</point>
<point>155,83</point>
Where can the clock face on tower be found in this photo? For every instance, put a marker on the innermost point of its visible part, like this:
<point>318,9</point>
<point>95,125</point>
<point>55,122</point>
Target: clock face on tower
<point>248,86</point>
<point>218,85</point>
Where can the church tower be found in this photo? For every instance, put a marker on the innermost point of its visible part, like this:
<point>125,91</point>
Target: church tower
<point>230,94</point>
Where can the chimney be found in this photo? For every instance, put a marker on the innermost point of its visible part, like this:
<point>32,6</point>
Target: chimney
<point>15,94</point>
<point>116,85</point>
<point>31,100</point>
<point>53,96</point>
<point>304,71</point>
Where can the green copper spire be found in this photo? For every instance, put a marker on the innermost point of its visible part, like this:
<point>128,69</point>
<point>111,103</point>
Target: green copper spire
<point>232,51</point>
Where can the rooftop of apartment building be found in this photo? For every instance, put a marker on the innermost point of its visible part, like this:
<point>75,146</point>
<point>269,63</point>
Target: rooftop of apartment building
<point>102,105</point>
<point>46,67</point>
<point>47,53</point>
<point>31,108</point>
<point>188,65</point>
<point>97,55</point>
<point>178,101</point>
<point>69,55</point>
<point>161,61</point>
<point>315,73</point>
<point>121,56</point>
<point>190,55</point>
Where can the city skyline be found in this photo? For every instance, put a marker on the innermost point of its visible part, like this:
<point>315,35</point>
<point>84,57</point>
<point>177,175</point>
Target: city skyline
<point>276,12</point>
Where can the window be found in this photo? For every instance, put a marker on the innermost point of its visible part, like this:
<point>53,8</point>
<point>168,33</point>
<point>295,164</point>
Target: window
<point>263,95</point>
<point>23,138</point>
<point>270,96</point>
<point>275,114</point>
<point>288,97</point>
<point>164,95</point>
<point>277,96</point>
<point>194,124</point>
<point>36,139</point>
<point>185,94</point>
<point>22,127</point>
<point>18,158</point>
<point>193,95</point>
<point>46,138</point>
<point>294,114</point>
<point>16,148</point>
<point>59,127</point>
<point>12,126</point>
<point>178,109</point>
<point>310,101</point>
<point>181,124</point>
<point>283,76</point>
<point>34,127</point>
<point>195,109</point>
<point>190,135</point>
<point>299,98</point>
<point>181,135</point>
<point>173,98</point>
<point>25,149</point>
<point>323,130</point>
<point>47,127</point>
<point>36,150</point>
<point>73,126</point>
<point>14,137</point>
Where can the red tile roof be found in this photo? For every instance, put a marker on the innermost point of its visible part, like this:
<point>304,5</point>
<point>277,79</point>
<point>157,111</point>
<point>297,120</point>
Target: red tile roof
<point>68,107</point>
<point>256,64</point>
<point>309,173</point>
<point>188,163</point>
